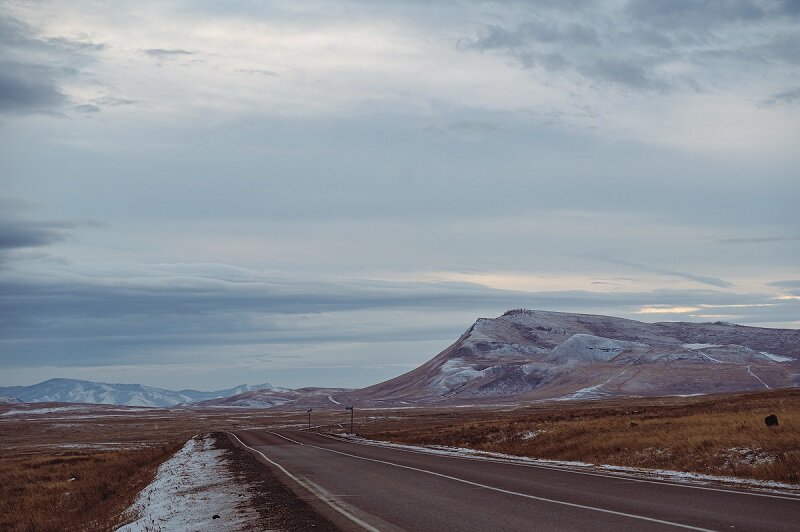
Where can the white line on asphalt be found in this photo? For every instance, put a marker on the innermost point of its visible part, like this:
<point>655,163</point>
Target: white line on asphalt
<point>619,476</point>
<point>501,490</point>
<point>310,486</point>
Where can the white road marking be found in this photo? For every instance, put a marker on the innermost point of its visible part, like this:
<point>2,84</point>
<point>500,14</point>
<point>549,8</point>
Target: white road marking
<point>620,476</point>
<point>313,488</point>
<point>500,490</point>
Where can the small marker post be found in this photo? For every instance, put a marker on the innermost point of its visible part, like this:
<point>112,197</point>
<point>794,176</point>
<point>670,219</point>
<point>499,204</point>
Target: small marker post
<point>350,408</point>
<point>309,418</point>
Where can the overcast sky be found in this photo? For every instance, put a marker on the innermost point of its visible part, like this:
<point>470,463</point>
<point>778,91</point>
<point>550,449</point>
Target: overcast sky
<point>201,194</point>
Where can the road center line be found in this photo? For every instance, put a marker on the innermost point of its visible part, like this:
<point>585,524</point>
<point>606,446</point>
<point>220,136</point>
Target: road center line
<point>500,490</point>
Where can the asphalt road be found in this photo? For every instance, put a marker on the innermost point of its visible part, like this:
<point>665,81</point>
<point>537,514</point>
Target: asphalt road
<point>376,488</point>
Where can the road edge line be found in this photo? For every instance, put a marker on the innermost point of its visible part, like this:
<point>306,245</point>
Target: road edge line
<point>508,492</point>
<point>622,475</point>
<point>309,486</point>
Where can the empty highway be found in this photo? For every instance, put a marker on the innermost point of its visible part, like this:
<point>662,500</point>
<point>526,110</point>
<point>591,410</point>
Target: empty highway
<point>366,487</point>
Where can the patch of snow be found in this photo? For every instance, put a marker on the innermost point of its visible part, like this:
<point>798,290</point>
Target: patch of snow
<point>534,367</point>
<point>454,373</point>
<point>746,456</point>
<point>105,446</point>
<point>775,358</point>
<point>589,348</point>
<point>332,400</point>
<point>758,378</point>
<point>258,402</point>
<point>590,392</point>
<point>695,347</point>
<point>43,410</point>
<point>530,434</point>
<point>188,490</point>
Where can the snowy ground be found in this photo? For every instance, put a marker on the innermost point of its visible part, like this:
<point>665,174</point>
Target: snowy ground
<point>189,490</point>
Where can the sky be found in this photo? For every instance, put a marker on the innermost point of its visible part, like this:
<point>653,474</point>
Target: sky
<point>202,194</point>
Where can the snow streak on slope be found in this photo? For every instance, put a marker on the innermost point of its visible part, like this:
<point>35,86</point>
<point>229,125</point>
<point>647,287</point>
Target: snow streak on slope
<point>756,377</point>
<point>776,358</point>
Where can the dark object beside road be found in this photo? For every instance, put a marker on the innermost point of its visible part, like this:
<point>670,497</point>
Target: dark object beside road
<point>771,420</point>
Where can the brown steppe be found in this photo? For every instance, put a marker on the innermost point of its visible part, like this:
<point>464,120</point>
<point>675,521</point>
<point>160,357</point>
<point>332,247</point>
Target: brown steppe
<point>112,452</point>
<point>78,467</point>
<point>718,434</point>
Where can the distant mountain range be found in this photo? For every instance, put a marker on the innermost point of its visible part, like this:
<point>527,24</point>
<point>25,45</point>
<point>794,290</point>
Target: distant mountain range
<point>77,391</point>
<point>523,355</point>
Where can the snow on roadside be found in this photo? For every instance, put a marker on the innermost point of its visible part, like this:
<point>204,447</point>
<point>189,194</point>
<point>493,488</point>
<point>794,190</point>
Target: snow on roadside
<point>683,477</point>
<point>188,490</point>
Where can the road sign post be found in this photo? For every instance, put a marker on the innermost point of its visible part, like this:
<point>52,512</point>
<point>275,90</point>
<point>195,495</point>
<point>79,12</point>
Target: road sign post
<point>350,408</point>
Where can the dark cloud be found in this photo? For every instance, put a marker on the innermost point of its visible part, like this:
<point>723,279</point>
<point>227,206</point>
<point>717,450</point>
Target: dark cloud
<point>759,240</point>
<point>790,96</point>
<point>113,101</point>
<point>575,46</point>
<point>638,45</point>
<point>71,44</point>
<point>268,73</point>
<point>20,233</point>
<point>26,88</point>
<point>703,279</point>
<point>784,47</point>
<point>87,108</point>
<point>789,283</point>
<point>536,31</point>
<point>163,53</point>
<point>32,68</point>
<point>465,127</point>
<point>790,7</point>
<point>16,234</point>
<point>622,72</point>
<point>694,13</point>
<point>80,321</point>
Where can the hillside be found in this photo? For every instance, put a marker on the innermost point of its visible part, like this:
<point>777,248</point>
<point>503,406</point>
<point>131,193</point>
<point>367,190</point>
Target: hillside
<point>528,354</point>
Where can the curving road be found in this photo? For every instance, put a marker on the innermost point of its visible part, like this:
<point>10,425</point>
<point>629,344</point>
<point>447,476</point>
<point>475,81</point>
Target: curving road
<point>366,487</point>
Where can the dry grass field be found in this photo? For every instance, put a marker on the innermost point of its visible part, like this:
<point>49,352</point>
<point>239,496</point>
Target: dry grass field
<point>73,490</point>
<point>112,452</point>
<point>720,435</point>
<point>78,467</point>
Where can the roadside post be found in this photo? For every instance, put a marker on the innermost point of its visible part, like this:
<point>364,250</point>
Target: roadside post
<point>350,408</point>
<point>309,418</point>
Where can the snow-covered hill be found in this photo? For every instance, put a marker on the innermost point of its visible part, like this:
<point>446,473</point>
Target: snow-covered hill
<point>528,354</point>
<point>77,391</point>
<point>280,397</point>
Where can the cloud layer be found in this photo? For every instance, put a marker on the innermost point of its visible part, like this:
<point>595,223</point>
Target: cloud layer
<point>318,193</point>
